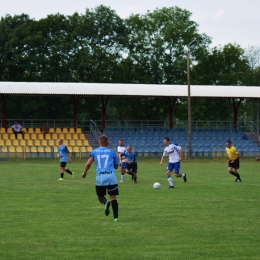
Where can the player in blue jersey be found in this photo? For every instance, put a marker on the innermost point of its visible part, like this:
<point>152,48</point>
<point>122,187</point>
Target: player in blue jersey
<point>64,155</point>
<point>174,152</point>
<point>131,164</point>
<point>106,180</point>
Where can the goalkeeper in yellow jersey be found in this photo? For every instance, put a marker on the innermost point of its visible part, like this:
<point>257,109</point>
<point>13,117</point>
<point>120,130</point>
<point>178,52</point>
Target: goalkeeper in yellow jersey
<point>233,160</point>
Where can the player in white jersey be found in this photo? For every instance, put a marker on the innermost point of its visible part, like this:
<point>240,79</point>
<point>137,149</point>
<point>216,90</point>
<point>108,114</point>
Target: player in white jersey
<point>174,152</point>
<point>120,150</point>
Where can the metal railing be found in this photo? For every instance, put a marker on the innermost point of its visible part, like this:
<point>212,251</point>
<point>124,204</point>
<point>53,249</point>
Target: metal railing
<point>95,126</point>
<point>196,124</point>
<point>253,127</point>
<point>61,123</point>
<point>94,129</point>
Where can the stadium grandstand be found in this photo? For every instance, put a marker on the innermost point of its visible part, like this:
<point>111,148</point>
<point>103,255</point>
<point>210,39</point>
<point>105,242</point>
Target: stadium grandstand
<point>146,137</point>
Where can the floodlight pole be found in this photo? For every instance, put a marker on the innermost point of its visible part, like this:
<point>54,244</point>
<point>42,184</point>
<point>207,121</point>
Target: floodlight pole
<point>189,102</point>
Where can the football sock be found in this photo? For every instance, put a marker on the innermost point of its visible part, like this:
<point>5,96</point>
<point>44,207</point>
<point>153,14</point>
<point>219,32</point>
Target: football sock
<point>102,199</point>
<point>115,208</point>
<point>123,177</point>
<point>68,171</point>
<point>182,175</point>
<point>170,180</point>
<point>238,176</point>
<point>233,173</point>
<point>135,179</point>
<point>62,175</point>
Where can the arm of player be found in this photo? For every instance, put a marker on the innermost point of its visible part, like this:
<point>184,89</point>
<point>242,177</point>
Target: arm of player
<point>87,166</point>
<point>180,155</point>
<point>121,157</point>
<point>69,157</point>
<point>228,160</point>
<point>237,156</point>
<point>161,162</point>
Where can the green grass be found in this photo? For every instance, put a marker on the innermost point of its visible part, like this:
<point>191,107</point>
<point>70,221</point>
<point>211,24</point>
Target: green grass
<point>209,217</point>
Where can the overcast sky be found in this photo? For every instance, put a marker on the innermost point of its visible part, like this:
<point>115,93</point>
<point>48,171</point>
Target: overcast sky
<point>225,21</point>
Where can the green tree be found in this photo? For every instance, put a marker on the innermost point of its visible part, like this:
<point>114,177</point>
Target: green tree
<point>156,46</point>
<point>16,36</point>
<point>225,65</point>
<point>253,55</point>
<point>96,45</point>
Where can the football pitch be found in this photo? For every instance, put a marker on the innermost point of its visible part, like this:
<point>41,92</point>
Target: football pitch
<point>209,217</point>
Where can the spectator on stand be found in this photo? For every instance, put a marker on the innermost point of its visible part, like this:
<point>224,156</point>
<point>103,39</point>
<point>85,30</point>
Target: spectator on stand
<point>17,129</point>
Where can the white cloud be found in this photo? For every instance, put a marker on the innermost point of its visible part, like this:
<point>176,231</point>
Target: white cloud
<point>220,15</point>
<point>127,11</point>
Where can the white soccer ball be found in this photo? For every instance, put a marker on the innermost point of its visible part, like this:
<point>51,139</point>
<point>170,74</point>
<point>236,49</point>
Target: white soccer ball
<point>156,185</point>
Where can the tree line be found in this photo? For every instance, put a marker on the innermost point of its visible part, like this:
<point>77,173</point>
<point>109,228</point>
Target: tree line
<point>99,46</point>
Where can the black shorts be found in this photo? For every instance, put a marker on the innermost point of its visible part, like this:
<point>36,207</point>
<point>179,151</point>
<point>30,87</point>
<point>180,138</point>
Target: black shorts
<point>132,166</point>
<point>111,190</point>
<point>234,165</point>
<point>63,164</point>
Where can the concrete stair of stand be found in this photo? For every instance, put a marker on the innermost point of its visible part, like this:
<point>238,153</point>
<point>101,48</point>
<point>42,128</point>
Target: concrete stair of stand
<point>92,140</point>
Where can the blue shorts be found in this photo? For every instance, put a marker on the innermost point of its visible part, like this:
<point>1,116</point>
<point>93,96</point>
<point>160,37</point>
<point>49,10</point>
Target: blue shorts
<point>174,166</point>
<point>123,165</point>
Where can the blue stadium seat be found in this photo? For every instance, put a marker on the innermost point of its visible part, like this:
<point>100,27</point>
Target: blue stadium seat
<point>131,130</point>
<point>203,130</point>
<point>142,136</point>
<point>149,137</point>
<point>244,149</point>
<point>142,142</point>
<point>171,131</point>
<point>239,131</point>
<point>200,143</point>
<point>234,130</point>
<point>133,143</point>
<point>125,130</point>
<point>255,149</point>
<point>145,130</point>
<point>152,149</point>
<point>165,131</point>
<point>151,130</point>
<point>219,149</point>
<point>113,142</point>
<point>227,130</point>
<point>178,129</point>
<point>214,137</point>
<point>214,143</point>
<point>156,136</point>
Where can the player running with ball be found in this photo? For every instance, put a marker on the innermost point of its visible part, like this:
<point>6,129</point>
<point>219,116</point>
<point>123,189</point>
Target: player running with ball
<point>174,152</point>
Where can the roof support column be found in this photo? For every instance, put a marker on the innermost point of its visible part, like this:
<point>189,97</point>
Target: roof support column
<point>4,109</point>
<point>170,110</point>
<point>235,111</point>
<point>104,102</point>
<point>75,101</point>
